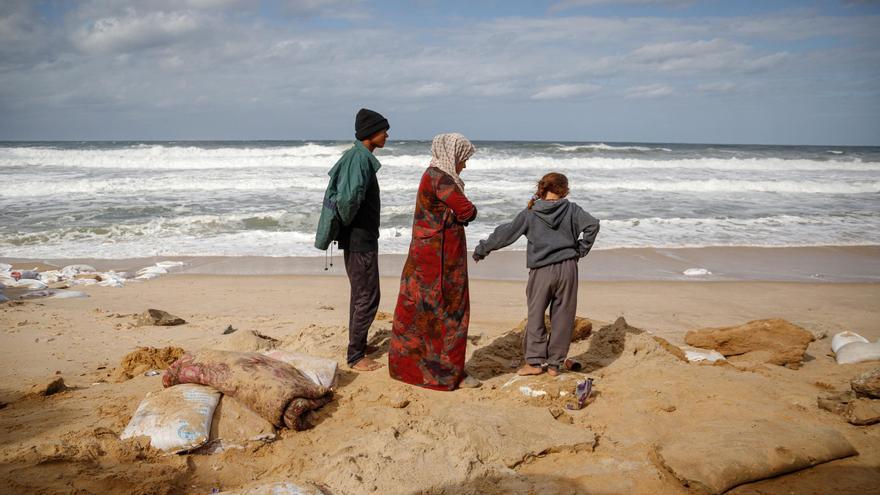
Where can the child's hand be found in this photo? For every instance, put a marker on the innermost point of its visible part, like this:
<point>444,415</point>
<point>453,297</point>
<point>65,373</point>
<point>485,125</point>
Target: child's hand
<point>477,257</point>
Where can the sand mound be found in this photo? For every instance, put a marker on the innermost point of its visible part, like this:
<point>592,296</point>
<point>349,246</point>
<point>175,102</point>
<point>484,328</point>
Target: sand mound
<point>604,346</point>
<point>95,461</point>
<point>49,387</point>
<point>145,359</point>
<point>505,353</point>
<point>246,341</point>
<point>774,341</point>
<point>324,341</point>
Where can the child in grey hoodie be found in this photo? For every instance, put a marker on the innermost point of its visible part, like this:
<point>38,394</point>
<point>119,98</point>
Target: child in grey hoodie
<point>560,233</point>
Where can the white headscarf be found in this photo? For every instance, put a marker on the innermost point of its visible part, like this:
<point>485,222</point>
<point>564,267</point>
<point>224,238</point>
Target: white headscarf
<point>448,150</point>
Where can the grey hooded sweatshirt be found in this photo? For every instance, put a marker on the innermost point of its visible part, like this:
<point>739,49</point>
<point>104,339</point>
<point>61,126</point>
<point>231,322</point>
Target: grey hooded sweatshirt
<point>553,229</point>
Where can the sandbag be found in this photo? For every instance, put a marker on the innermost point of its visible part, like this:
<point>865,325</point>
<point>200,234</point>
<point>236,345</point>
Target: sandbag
<point>30,283</point>
<point>714,457</point>
<point>843,338</point>
<point>320,370</point>
<point>176,419</point>
<point>275,390</point>
<point>858,352</point>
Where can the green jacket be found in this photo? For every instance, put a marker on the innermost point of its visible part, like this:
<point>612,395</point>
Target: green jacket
<point>345,192</point>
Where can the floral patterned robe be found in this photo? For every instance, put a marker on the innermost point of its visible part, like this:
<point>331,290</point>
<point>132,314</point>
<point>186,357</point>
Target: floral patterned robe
<point>433,307</point>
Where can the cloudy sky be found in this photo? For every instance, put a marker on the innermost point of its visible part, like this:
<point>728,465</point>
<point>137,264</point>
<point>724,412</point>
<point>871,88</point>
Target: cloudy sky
<point>715,71</point>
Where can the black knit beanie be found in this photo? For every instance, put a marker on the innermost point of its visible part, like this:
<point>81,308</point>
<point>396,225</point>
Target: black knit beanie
<point>368,123</point>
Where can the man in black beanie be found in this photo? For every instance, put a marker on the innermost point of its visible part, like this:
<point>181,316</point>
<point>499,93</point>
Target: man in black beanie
<point>352,198</point>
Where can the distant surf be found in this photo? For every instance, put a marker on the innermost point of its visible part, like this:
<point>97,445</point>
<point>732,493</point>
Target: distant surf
<point>262,198</point>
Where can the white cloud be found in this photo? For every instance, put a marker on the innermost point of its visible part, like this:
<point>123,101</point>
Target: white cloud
<point>134,31</point>
<point>704,56</point>
<point>221,56</point>
<point>561,91</point>
<point>649,91</point>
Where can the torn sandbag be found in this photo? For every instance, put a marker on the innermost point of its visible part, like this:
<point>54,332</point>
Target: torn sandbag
<point>275,390</point>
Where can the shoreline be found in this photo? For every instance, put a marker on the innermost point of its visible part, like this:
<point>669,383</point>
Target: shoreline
<point>823,264</point>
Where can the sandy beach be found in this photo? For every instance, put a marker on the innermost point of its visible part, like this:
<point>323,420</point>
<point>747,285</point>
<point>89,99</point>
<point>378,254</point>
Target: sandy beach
<point>381,436</point>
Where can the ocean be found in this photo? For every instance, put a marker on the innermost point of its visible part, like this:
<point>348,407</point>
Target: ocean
<point>114,200</point>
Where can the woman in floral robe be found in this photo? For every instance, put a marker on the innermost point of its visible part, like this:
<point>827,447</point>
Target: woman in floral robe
<point>433,308</point>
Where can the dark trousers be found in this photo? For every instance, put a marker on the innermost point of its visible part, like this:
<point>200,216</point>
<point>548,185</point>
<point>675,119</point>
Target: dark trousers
<point>556,286</point>
<point>363,276</point>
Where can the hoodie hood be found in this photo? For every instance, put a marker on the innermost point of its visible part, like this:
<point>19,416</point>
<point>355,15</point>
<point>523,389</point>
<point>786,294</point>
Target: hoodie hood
<point>551,212</point>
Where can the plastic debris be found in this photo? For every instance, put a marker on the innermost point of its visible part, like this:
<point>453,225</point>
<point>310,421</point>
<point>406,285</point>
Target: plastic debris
<point>581,392</point>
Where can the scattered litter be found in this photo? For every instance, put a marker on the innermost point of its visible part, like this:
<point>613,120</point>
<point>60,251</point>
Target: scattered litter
<point>572,365</point>
<point>512,380</point>
<point>26,275</point>
<point>582,392</point>
<point>229,330</point>
<point>858,352</point>
<point>695,355</point>
<point>71,271</point>
<point>68,294</point>
<point>152,373</point>
<point>277,488</point>
<point>176,419</point>
<point>530,392</point>
<point>696,272</point>
<point>843,338</point>
<point>29,283</point>
<point>72,275</point>
<point>169,264</point>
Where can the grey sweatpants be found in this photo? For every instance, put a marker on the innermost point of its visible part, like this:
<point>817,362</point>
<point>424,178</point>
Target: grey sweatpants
<point>363,276</point>
<point>556,286</point>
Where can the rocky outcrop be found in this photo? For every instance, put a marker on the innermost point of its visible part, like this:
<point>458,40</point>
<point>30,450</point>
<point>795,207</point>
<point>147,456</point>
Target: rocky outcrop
<point>867,384</point>
<point>157,317</point>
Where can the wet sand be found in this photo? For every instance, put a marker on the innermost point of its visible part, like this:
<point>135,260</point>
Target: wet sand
<point>789,264</point>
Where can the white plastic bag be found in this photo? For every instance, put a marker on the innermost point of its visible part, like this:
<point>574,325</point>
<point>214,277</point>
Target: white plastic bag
<point>695,355</point>
<point>277,488</point>
<point>317,369</point>
<point>176,419</point>
<point>843,338</point>
<point>30,283</point>
<point>71,271</point>
<point>858,352</point>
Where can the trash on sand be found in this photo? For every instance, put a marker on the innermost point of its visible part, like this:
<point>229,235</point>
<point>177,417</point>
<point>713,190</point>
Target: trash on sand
<point>843,338</point>
<point>582,392</point>
<point>277,488</point>
<point>698,355</point>
<point>530,392</point>
<point>858,352</point>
